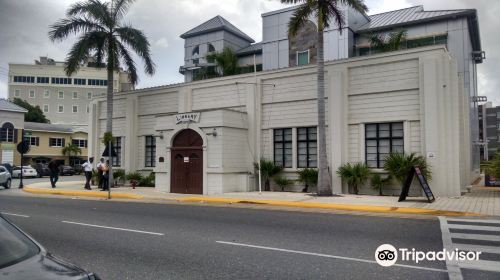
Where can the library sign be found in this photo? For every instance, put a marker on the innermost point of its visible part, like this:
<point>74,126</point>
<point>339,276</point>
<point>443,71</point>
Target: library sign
<point>187,118</point>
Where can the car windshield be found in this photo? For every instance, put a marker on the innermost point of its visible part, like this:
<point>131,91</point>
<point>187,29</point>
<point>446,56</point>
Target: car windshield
<point>14,245</point>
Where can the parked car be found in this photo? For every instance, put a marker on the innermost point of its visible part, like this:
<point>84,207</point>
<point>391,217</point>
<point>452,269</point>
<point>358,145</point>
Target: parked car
<point>8,167</point>
<point>78,169</point>
<point>28,171</point>
<point>5,177</point>
<point>42,169</point>
<point>27,259</point>
<point>66,170</point>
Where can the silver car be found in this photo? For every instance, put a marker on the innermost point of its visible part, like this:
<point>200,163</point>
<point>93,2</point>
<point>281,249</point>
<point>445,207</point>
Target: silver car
<point>5,177</point>
<point>27,170</point>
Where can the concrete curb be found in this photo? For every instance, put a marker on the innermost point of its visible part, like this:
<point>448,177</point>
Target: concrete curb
<point>344,207</point>
<point>98,194</point>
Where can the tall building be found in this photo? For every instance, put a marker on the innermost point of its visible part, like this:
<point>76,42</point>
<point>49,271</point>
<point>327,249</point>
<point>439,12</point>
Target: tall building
<point>489,130</point>
<point>63,100</point>
<point>458,30</point>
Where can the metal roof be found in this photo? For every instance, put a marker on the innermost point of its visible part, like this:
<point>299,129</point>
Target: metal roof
<point>48,127</point>
<point>408,16</point>
<point>254,48</point>
<point>215,24</point>
<point>6,105</point>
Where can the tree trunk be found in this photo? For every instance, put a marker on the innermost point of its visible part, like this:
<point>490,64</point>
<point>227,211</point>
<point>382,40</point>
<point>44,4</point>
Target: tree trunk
<point>324,185</point>
<point>109,104</point>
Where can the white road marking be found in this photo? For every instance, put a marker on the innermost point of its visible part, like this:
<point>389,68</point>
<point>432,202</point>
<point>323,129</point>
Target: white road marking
<point>326,256</point>
<point>477,248</point>
<point>106,227</point>
<point>454,272</point>
<point>481,265</point>
<point>475,236</point>
<point>17,215</point>
<point>473,227</point>
<point>474,221</point>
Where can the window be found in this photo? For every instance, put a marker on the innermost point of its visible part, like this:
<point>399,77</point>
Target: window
<point>81,82</point>
<point>7,132</point>
<point>382,139</point>
<point>17,93</point>
<point>34,141</point>
<point>307,149</point>
<point>150,151</point>
<point>303,58</point>
<point>42,80</point>
<point>117,161</point>
<point>196,51</point>
<point>196,61</point>
<point>61,81</point>
<point>24,79</point>
<point>283,147</point>
<point>61,95</point>
<point>75,95</point>
<point>94,82</point>
<point>75,109</point>
<point>498,115</point>
<point>211,48</point>
<point>46,94</point>
<point>82,143</point>
<point>45,108</point>
<point>89,95</point>
<point>60,109</point>
<point>32,94</point>
<point>56,142</point>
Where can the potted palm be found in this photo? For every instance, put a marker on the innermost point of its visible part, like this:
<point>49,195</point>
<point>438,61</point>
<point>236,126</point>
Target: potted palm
<point>398,165</point>
<point>378,183</point>
<point>308,176</point>
<point>267,170</point>
<point>354,174</point>
<point>282,182</point>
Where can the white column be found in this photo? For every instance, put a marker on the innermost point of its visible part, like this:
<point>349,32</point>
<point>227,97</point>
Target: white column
<point>337,102</point>
<point>130,143</point>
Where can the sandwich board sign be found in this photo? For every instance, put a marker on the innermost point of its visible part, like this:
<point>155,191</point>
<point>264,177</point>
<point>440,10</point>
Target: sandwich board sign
<point>415,170</point>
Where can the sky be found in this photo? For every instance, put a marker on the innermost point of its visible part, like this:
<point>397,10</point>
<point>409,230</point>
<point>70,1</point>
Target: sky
<point>24,25</point>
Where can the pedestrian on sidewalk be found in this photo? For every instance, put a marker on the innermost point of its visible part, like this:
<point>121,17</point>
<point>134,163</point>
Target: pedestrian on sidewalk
<point>87,168</point>
<point>100,172</point>
<point>54,172</point>
<point>105,175</point>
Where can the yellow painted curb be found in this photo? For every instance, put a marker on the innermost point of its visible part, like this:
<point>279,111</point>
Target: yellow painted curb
<point>82,193</point>
<point>345,207</point>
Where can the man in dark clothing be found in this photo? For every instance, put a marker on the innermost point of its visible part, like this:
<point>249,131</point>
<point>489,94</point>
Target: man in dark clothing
<point>87,168</point>
<point>54,172</point>
<point>100,166</point>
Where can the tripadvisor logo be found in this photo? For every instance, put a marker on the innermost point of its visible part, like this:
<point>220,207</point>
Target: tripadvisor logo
<point>387,255</point>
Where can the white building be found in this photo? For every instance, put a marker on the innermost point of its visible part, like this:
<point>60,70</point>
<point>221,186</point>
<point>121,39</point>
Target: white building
<point>204,136</point>
<point>63,99</point>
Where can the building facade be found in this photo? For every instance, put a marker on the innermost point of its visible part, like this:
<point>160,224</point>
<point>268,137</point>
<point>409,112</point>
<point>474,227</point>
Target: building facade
<point>64,100</point>
<point>11,126</point>
<point>205,136</point>
<point>489,130</point>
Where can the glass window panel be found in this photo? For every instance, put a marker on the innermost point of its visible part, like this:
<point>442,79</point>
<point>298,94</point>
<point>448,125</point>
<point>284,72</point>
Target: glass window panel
<point>288,135</point>
<point>372,163</point>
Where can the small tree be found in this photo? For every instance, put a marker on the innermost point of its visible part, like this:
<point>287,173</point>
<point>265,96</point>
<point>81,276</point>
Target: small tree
<point>492,167</point>
<point>378,183</point>
<point>71,149</point>
<point>354,174</point>
<point>227,61</point>
<point>308,176</point>
<point>34,114</point>
<point>282,182</point>
<point>267,170</point>
<point>399,165</point>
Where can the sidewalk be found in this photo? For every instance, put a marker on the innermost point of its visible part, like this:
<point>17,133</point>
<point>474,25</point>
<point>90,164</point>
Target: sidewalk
<point>480,200</point>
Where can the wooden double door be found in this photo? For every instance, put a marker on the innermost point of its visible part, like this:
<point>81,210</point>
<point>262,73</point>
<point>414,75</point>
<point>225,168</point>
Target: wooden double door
<point>187,163</point>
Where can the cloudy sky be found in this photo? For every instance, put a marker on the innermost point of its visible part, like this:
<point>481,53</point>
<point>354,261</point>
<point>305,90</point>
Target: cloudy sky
<point>24,26</point>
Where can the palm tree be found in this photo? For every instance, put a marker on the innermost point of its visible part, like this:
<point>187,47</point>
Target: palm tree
<point>354,174</point>
<point>71,149</point>
<point>326,12</point>
<point>390,42</point>
<point>267,169</point>
<point>103,36</point>
<point>398,165</point>
<point>227,61</point>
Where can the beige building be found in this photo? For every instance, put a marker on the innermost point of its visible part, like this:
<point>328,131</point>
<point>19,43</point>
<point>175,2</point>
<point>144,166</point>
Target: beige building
<point>204,137</point>
<point>63,99</point>
<point>47,142</point>
<point>11,126</point>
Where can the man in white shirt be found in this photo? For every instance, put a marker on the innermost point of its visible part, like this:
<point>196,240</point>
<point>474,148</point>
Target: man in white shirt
<point>87,168</point>
<point>100,165</point>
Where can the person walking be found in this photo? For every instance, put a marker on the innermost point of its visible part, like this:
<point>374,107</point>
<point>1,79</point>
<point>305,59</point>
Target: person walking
<point>105,175</point>
<point>54,172</point>
<point>87,168</point>
<point>100,165</point>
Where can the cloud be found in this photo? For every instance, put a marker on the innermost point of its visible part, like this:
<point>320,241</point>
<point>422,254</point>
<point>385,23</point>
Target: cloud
<point>162,43</point>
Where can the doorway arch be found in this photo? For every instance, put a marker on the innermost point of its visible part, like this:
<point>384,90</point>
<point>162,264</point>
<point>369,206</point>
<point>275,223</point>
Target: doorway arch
<point>187,163</point>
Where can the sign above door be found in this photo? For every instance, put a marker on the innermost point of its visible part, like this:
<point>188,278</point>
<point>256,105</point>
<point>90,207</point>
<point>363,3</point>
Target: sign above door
<point>187,118</point>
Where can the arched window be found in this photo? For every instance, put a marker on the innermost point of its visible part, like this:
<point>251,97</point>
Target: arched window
<point>7,132</point>
<point>211,48</point>
<point>196,50</point>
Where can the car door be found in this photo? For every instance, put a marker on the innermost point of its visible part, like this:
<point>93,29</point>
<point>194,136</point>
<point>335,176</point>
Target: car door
<point>3,174</point>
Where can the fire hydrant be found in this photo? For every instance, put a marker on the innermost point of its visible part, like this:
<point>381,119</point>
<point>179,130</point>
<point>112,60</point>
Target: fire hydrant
<point>133,183</point>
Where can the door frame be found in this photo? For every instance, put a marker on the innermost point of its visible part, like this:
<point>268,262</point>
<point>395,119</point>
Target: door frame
<point>170,140</point>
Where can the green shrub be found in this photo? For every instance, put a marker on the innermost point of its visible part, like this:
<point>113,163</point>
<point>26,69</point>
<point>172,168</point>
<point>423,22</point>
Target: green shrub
<point>119,174</point>
<point>283,182</point>
<point>148,181</point>
<point>354,174</point>
<point>378,183</point>
<point>399,165</point>
<point>492,167</point>
<point>136,176</point>
<point>267,170</point>
<point>308,176</point>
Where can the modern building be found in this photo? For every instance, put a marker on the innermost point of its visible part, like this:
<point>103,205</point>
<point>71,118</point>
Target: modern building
<point>458,30</point>
<point>47,142</point>
<point>63,100</point>
<point>489,130</point>
<point>11,126</point>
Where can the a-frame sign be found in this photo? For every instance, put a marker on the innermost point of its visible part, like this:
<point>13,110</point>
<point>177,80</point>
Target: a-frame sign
<point>415,170</point>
